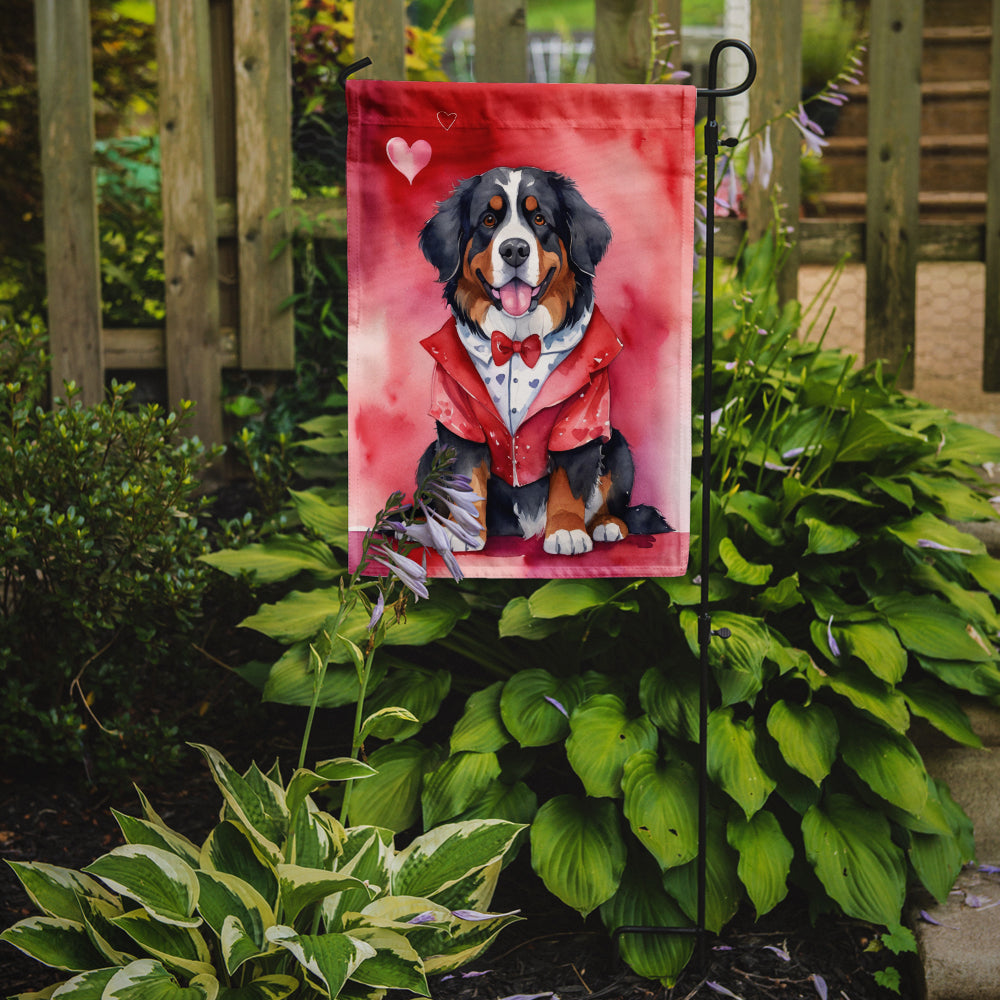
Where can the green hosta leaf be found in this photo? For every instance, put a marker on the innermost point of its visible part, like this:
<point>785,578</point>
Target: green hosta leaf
<point>330,959</point>
<point>387,723</point>
<point>279,558</point>
<point>535,706</point>
<point>975,605</point>
<point>301,887</point>
<point>416,690</point>
<point>732,760</point>
<point>850,847</point>
<point>807,736</point>
<point>516,803</point>
<point>765,858</point>
<point>456,784</point>
<point>937,860</point>
<point>661,798</point>
<point>395,964</point>
<point>292,681</point>
<point>783,595</point>
<point>738,661</point>
<point>391,798</point>
<point>260,809</point>
<point>976,678</point>
<point>928,528</point>
<point>481,728</point>
<point>641,901</point>
<point>327,520</point>
<point>56,891</point>
<point>141,831</point>
<point>751,574</point>
<point>941,709</point>
<point>957,501</point>
<point>965,443</point>
<point>517,620</point>
<point>888,763</point>
<point>602,738</point>
<point>559,598</point>
<point>578,851</point>
<point>986,571</point>
<point>828,539</point>
<point>440,858</point>
<point>230,849</point>
<point>931,628</point>
<point>866,692</point>
<point>870,436</point>
<point>275,987</point>
<point>723,889</point>
<point>758,511</point>
<point>180,948</point>
<point>685,593</point>
<point>226,898</point>
<point>304,782</point>
<point>671,700</point>
<point>876,646</point>
<point>54,941</point>
<point>147,979</point>
<point>159,881</point>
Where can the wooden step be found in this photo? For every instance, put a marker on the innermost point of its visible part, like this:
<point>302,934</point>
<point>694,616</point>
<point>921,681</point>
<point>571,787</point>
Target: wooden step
<point>957,206</point>
<point>945,12</point>
<point>956,53</point>
<point>947,162</point>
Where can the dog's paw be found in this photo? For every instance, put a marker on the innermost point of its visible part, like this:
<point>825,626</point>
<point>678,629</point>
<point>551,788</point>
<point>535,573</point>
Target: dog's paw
<point>568,543</point>
<point>611,530</point>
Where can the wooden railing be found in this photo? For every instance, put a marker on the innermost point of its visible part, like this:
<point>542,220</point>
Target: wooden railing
<point>226,160</point>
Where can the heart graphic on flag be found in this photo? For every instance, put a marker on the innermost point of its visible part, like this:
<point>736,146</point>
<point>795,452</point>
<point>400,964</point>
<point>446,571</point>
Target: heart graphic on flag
<point>446,119</point>
<point>408,160</point>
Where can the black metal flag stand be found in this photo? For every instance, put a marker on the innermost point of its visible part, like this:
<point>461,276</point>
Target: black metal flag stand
<point>705,631</point>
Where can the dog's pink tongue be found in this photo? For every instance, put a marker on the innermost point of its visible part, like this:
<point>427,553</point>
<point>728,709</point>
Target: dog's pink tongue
<point>515,297</point>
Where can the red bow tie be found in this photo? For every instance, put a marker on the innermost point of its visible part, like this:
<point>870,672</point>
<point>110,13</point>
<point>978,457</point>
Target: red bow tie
<point>504,348</point>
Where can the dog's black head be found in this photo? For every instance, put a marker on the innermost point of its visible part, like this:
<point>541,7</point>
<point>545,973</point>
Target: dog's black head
<point>516,240</point>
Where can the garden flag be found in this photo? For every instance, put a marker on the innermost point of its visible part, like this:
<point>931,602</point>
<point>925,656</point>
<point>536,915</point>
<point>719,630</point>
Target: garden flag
<point>520,282</point>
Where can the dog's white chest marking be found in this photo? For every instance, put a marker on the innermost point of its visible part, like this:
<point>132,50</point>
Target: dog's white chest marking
<point>513,386</point>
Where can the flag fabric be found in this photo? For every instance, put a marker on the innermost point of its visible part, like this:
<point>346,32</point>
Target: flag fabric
<point>520,281</point>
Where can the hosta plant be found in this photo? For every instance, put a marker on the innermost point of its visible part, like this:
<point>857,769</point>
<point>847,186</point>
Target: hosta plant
<point>279,900</point>
<point>855,605</point>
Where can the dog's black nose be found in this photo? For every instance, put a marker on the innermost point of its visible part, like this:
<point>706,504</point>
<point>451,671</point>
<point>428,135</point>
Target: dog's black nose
<point>515,252</point>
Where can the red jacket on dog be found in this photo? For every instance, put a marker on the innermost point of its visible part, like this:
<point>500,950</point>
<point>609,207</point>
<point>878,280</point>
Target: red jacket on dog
<point>572,407</point>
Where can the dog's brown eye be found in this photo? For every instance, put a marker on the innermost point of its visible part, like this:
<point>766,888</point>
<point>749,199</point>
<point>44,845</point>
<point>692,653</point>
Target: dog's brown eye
<point>539,219</point>
<point>489,220</point>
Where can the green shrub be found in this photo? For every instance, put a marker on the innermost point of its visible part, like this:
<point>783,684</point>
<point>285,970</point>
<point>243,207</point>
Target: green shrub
<point>101,584</point>
<point>279,900</point>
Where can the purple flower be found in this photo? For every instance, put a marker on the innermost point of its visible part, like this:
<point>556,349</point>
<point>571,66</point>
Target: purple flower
<point>475,915</point>
<point>811,132</point>
<point>834,648</point>
<point>927,543</point>
<point>780,952</point>
<point>719,988</point>
<point>558,705</point>
<point>820,983</point>
<point>377,612</point>
<point>411,574</point>
<point>427,917</point>
<point>761,163</point>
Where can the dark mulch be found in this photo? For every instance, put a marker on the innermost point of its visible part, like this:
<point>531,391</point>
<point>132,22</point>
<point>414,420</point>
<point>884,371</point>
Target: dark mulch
<point>551,951</point>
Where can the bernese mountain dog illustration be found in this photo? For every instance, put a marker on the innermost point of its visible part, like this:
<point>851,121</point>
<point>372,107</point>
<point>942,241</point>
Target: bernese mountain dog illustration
<point>521,390</point>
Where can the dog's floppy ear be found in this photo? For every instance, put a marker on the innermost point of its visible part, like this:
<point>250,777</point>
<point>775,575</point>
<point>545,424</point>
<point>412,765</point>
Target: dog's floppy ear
<point>446,232</point>
<point>589,234</point>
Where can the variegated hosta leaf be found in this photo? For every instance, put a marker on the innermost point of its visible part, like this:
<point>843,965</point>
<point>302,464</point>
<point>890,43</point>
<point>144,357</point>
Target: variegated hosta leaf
<point>535,706</point>
<point>456,784</point>
<point>807,736</point>
<point>158,880</point>
<point>850,847</point>
<point>723,889</point>
<point>301,887</point>
<point>367,853</point>
<point>441,857</point>
<point>141,831</point>
<point>466,941</point>
<point>315,838</point>
<point>602,737</point>
<point>86,986</point>
<point>147,979</point>
<point>578,851</point>
<point>98,915</point>
<point>481,727</point>
<point>661,805</point>
<point>732,760</point>
<point>765,858</point>
<point>391,799</point>
<point>642,902</point>
<point>274,987</point>
<point>177,947</point>
<point>329,959</point>
<point>304,782</point>
<point>395,964</point>
<point>888,763</point>
<point>56,891</point>
<point>54,941</point>
<point>230,849</point>
<point>225,897</point>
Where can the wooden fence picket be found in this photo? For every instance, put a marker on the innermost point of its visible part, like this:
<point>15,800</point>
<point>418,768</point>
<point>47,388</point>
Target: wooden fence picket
<point>991,331</point>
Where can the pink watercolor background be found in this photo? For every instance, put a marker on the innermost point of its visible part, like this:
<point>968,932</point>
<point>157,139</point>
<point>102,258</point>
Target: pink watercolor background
<point>630,151</point>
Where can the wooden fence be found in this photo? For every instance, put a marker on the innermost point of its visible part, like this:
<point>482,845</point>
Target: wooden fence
<point>226,161</point>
